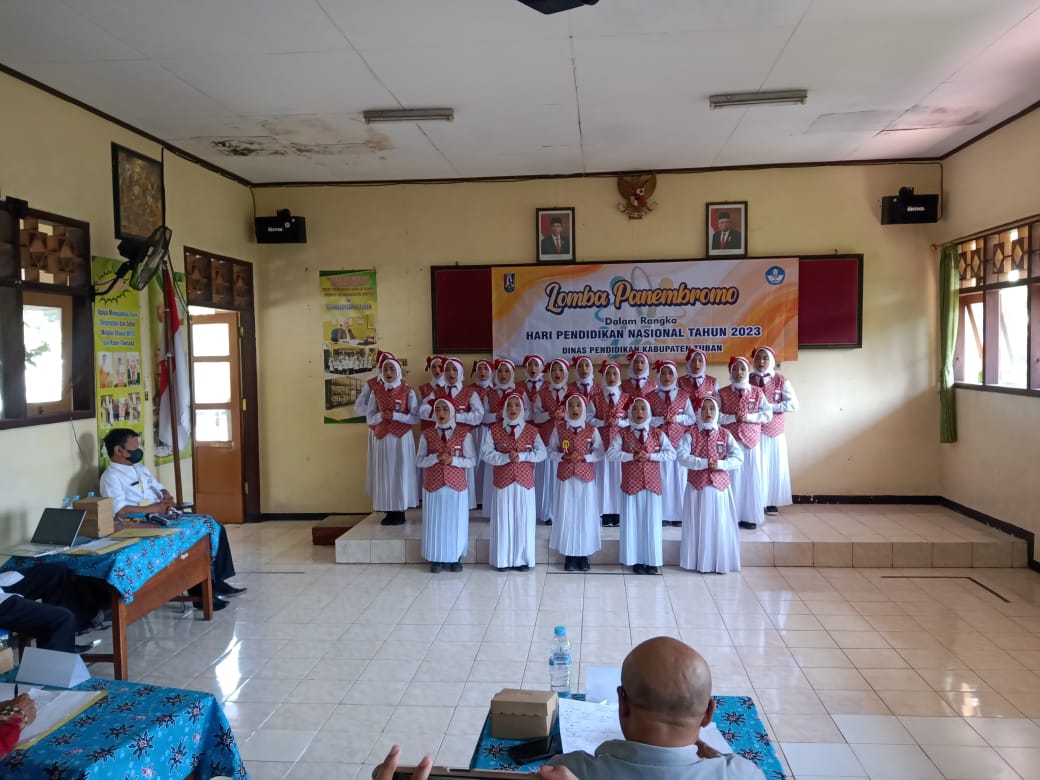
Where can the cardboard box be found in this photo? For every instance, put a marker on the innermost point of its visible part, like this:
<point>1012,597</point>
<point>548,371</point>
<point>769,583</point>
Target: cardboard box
<point>518,714</point>
<point>99,517</point>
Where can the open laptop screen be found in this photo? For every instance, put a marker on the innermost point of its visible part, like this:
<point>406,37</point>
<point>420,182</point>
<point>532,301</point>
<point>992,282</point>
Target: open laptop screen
<point>58,526</point>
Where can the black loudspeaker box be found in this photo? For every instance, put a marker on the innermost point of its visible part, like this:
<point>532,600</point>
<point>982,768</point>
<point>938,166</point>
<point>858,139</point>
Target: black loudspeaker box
<point>909,209</point>
<point>281,230</point>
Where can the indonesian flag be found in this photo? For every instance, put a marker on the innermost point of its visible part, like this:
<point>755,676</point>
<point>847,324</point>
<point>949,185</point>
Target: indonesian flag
<point>180,374</point>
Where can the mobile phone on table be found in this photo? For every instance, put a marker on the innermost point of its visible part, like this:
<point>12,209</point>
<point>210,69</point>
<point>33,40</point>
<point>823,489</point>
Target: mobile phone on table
<point>446,773</point>
<point>538,749</point>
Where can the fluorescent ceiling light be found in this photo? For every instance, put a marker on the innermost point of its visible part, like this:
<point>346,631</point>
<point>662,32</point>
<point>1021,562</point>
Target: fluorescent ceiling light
<point>779,97</point>
<point>409,115</point>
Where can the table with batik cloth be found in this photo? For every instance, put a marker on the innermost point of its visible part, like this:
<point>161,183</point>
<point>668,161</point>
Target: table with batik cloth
<point>139,731</point>
<point>145,575</point>
<point>735,716</point>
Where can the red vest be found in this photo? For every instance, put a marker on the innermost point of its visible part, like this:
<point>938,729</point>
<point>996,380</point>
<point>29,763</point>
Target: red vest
<point>629,386</point>
<point>438,475</point>
<point>774,389</point>
<point>636,476</point>
<point>531,395</point>
<point>460,401</point>
<point>602,409</point>
<point>549,405</point>
<point>482,393</point>
<point>575,441</point>
<point>576,387</point>
<point>709,386</point>
<point>521,472</point>
<point>710,445</point>
<point>394,400</point>
<point>674,408</point>
<point>748,401</point>
<point>494,402</point>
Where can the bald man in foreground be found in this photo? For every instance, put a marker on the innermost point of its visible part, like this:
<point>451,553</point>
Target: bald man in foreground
<point>664,701</point>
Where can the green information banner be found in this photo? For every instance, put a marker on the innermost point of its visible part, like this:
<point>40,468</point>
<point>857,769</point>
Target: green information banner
<point>117,352</point>
<point>348,339</point>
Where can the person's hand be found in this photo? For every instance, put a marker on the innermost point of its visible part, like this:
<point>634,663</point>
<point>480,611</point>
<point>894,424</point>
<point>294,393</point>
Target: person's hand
<point>704,750</point>
<point>385,771</point>
<point>555,772</point>
<point>22,708</point>
<point>741,417</point>
<point>558,413</point>
<point>388,415</point>
<point>445,458</point>
<point>712,463</point>
<point>514,457</point>
<point>642,456</point>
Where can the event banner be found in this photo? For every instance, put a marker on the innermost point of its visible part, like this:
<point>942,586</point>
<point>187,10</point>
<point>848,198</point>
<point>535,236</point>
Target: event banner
<point>605,310</point>
<point>348,339</point>
<point>117,350</point>
<point>162,415</point>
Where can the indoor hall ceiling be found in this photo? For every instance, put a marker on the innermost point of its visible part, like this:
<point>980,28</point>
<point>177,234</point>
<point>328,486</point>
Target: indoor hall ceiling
<point>273,90</point>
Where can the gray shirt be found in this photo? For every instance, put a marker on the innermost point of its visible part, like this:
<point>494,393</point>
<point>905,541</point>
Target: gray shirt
<point>620,759</point>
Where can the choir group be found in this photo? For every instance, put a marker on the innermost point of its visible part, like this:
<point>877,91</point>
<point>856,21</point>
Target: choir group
<point>639,453</point>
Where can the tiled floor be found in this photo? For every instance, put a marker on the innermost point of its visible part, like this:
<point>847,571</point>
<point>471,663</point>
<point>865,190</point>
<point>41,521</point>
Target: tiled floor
<point>881,673</point>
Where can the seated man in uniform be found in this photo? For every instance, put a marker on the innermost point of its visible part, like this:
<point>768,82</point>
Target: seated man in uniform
<point>68,604</point>
<point>133,490</point>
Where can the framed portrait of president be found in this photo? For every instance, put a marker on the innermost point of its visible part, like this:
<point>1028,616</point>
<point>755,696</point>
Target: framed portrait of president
<point>727,229</point>
<point>554,229</point>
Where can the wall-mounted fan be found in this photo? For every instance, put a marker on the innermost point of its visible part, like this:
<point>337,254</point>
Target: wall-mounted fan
<point>555,6</point>
<point>144,258</point>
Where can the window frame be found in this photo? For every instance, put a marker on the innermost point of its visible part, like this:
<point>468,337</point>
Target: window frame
<point>987,289</point>
<point>13,290</point>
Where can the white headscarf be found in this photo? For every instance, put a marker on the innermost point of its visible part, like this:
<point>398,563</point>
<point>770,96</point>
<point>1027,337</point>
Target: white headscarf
<point>612,392</point>
<point>770,367</point>
<point>747,378</point>
<point>397,367</point>
<point>511,385</point>
<point>645,425</point>
<point>458,377</point>
<point>580,422</point>
<point>689,361</point>
<point>675,375</point>
<point>713,423</point>
<point>491,374</point>
<point>558,385</point>
<point>450,405</point>
<point>632,364</point>
<point>506,420</point>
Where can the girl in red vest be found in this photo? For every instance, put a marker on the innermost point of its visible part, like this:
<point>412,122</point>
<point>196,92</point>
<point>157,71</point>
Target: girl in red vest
<point>742,410</point>
<point>584,379</point>
<point>609,414</point>
<point>483,372</point>
<point>641,448</point>
<point>639,381</point>
<point>673,414</point>
<point>446,454</point>
<point>505,372</point>
<point>362,406</point>
<point>776,469</point>
<point>710,537</point>
<point>575,447</point>
<point>435,365</point>
<point>698,382</point>
<point>546,411</point>
<point>391,467</point>
<point>512,448</point>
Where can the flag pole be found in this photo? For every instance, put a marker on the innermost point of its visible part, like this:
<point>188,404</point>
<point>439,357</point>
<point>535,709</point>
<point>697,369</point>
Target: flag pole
<point>171,389</point>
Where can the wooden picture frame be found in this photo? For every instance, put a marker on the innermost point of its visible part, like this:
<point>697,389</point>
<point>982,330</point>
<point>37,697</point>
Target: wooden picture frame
<point>726,229</point>
<point>546,239</point>
<point>138,196</point>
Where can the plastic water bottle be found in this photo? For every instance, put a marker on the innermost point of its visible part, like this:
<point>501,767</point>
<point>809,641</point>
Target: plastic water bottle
<point>90,494</point>
<point>66,503</point>
<point>560,662</point>
<point>74,500</point>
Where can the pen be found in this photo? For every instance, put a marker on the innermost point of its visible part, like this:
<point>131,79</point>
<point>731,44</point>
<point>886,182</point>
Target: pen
<point>16,690</point>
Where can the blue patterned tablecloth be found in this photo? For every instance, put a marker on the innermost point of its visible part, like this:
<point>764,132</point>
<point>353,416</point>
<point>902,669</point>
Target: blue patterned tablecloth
<point>136,731</point>
<point>735,716</point>
<point>128,568</point>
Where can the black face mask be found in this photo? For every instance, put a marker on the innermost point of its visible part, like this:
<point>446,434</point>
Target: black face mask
<point>135,456</point>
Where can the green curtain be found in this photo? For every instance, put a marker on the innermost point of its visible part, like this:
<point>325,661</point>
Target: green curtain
<point>949,289</point>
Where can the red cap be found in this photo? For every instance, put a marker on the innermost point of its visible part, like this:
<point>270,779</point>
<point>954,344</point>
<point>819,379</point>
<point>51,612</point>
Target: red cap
<point>503,362</point>
<point>434,359</point>
<point>381,356</point>
<point>659,364</point>
<point>767,349</point>
<point>539,358</point>
<point>739,359</point>
<point>477,363</point>
<point>606,364</point>
<point>693,351</point>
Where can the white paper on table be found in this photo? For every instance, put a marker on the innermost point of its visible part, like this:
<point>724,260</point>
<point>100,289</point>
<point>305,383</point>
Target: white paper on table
<point>601,684</point>
<point>96,545</point>
<point>53,708</point>
<point>586,725</point>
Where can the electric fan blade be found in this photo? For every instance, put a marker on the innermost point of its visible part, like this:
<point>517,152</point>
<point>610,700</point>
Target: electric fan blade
<point>150,259</point>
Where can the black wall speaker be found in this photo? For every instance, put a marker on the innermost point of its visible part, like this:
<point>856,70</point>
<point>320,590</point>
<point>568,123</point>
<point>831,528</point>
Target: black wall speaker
<point>281,229</point>
<point>907,208</point>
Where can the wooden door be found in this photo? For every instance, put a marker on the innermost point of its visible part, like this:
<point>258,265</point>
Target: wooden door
<point>217,391</point>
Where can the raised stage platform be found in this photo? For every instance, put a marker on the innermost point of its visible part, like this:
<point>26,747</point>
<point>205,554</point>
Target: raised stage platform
<point>823,535</point>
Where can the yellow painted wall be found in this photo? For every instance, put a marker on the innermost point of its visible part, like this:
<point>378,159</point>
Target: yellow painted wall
<point>869,424</point>
<point>58,158</point>
<point>992,466</point>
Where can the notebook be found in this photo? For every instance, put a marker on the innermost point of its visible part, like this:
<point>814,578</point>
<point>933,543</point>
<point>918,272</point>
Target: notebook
<point>56,531</point>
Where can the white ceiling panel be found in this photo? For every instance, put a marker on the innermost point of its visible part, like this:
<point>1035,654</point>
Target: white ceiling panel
<point>274,90</point>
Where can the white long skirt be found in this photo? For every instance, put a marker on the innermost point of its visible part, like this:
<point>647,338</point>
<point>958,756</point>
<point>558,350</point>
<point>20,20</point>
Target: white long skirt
<point>608,486</point>
<point>512,526</point>
<point>776,470</point>
<point>641,529</point>
<point>392,468</point>
<point>746,484</point>
<point>710,537</point>
<point>544,489</point>
<point>445,525</point>
<point>673,487</point>
<point>575,528</point>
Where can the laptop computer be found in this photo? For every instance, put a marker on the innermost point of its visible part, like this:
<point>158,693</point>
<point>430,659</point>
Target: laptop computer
<point>56,531</point>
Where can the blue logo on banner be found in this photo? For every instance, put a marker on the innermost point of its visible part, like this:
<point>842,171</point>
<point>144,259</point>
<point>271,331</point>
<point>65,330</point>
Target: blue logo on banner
<point>775,275</point>
<point>509,282</point>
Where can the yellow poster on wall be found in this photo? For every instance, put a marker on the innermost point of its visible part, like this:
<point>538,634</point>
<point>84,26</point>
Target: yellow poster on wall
<point>349,340</point>
<point>117,355</point>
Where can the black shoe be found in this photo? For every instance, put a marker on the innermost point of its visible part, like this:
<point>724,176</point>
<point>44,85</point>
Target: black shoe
<point>605,519</point>
<point>615,520</point>
<point>639,569</point>
<point>583,563</point>
<point>676,523</point>
<point>393,518</point>
<point>503,568</point>
<point>436,568</point>
<point>480,506</point>
<point>548,521</point>
<point>457,566</point>
<point>650,570</point>
<point>747,525</point>
<point>218,604</point>
<point>570,565</point>
<point>80,649</point>
<point>225,588</point>
<point>772,511</point>
<point>525,567</point>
